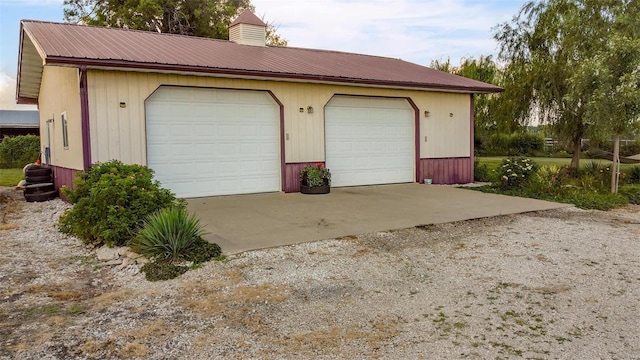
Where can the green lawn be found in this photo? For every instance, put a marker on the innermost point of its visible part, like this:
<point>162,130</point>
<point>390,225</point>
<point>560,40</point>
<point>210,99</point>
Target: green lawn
<point>10,177</point>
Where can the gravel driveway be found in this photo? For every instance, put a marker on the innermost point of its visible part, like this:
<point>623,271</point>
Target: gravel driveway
<point>560,284</point>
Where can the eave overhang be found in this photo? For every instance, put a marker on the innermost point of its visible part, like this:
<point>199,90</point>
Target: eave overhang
<point>29,74</point>
<point>123,65</point>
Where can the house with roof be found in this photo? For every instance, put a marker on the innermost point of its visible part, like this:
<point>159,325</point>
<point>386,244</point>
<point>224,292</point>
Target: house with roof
<point>216,117</point>
<point>19,122</point>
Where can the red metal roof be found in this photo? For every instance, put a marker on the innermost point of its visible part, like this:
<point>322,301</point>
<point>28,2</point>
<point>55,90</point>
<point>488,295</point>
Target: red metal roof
<point>248,17</point>
<point>70,44</point>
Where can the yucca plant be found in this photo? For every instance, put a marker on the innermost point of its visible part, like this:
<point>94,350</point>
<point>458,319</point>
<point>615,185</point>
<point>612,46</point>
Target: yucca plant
<point>168,235</point>
<point>593,168</point>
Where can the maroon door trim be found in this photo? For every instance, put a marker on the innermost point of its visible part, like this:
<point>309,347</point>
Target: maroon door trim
<point>282,139</point>
<point>416,138</point>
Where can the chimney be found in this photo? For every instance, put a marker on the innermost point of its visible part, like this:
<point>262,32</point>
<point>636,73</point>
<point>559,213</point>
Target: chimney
<point>248,29</point>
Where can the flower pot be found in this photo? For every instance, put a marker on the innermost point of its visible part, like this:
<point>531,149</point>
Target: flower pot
<point>322,189</point>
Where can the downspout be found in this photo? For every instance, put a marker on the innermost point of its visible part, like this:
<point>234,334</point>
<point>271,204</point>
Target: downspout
<point>472,120</point>
<point>84,114</point>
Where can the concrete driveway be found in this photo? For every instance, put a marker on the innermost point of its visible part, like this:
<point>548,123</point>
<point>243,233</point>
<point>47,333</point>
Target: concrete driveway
<point>249,222</point>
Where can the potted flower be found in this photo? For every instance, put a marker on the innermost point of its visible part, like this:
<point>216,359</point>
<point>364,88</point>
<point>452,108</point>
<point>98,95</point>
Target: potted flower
<point>315,179</point>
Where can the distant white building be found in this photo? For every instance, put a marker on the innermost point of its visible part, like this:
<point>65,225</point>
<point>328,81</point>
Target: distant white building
<point>19,122</point>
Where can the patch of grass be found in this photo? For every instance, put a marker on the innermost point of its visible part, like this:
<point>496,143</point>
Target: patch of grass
<point>631,192</point>
<point>76,310</point>
<point>10,177</point>
<point>46,310</point>
<point>596,201</point>
<point>493,162</point>
<point>581,199</point>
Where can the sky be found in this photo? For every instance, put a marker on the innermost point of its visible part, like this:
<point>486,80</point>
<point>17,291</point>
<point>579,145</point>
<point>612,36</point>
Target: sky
<point>418,31</point>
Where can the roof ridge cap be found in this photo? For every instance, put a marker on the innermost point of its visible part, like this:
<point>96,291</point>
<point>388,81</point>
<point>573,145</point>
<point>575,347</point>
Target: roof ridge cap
<point>338,52</point>
<point>123,29</point>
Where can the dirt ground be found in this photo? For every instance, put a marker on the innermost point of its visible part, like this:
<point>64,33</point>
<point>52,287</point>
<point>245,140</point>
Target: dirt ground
<point>546,285</point>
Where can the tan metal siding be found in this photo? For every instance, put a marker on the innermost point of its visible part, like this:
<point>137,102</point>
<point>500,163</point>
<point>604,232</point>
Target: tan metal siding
<point>60,92</point>
<point>304,131</point>
<point>447,129</point>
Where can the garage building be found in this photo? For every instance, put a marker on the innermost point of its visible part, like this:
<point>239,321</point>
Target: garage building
<point>214,117</point>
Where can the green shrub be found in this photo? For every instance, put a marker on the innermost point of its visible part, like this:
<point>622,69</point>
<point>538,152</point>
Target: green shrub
<point>600,173</point>
<point>595,201</point>
<point>525,144</point>
<point>111,201</point>
<point>497,145</point>
<point>626,148</point>
<point>481,172</point>
<point>168,235</point>
<point>562,184</point>
<point>549,179</point>
<point>517,144</point>
<point>631,192</point>
<point>634,175</point>
<point>560,154</point>
<point>515,172</point>
<point>203,251</point>
<point>630,149</point>
<point>155,271</point>
<point>592,167</point>
<point>18,151</point>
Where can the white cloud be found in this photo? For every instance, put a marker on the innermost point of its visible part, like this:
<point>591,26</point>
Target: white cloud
<point>8,94</point>
<point>414,30</point>
<point>32,2</point>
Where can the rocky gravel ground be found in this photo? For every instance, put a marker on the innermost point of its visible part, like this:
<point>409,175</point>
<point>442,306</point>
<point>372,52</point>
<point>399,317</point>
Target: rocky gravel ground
<point>562,284</point>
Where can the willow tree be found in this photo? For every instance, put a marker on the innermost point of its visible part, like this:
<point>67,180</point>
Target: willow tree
<point>578,65</point>
<point>611,76</point>
<point>543,45</point>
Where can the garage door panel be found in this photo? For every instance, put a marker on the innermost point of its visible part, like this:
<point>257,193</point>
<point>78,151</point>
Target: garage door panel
<point>249,150</point>
<point>226,142</point>
<point>369,141</point>
<point>268,150</point>
<point>205,148</point>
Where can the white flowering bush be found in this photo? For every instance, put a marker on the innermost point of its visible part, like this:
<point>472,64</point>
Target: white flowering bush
<point>515,172</point>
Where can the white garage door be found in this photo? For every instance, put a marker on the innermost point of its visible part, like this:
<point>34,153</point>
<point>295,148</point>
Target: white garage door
<point>369,141</point>
<point>204,142</point>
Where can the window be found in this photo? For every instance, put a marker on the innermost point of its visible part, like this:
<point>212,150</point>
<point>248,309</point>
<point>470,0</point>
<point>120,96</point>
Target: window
<point>65,131</point>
